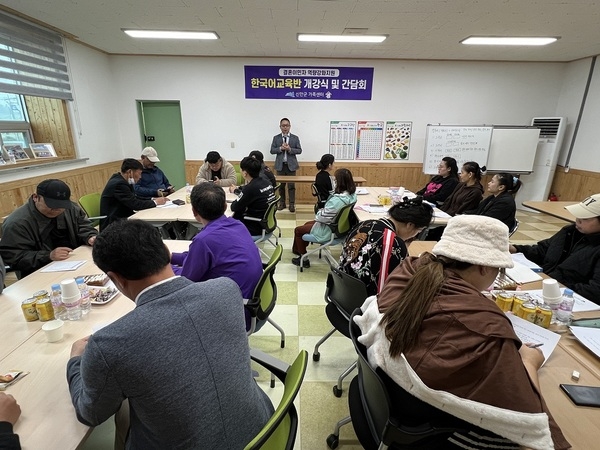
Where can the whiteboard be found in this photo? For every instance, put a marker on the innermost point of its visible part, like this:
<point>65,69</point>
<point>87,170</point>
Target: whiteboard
<point>463,143</point>
<point>513,149</point>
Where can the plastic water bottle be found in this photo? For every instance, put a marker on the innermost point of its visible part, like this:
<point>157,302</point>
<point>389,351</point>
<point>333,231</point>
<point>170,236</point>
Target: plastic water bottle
<point>60,312</point>
<point>188,193</point>
<point>73,306</point>
<point>85,295</point>
<point>565,308</point>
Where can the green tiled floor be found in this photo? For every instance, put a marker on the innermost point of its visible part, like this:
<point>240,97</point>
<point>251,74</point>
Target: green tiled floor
<point>300,311</point>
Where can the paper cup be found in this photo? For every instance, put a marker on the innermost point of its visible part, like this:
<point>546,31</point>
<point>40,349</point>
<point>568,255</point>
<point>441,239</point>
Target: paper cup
<point>69,288</point>
<point>551,289</point>
<point>54,330</point>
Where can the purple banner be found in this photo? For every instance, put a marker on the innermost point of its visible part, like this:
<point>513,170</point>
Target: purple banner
<point>309,83</point>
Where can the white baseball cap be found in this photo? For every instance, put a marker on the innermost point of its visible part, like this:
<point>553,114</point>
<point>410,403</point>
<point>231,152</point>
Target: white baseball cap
<point>151,154</point>
<point>588,208</point>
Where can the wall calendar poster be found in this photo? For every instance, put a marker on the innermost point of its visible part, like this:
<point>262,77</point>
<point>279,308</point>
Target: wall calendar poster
<point>342,139</point>
<point>369,139</point>
<point>397,140</point>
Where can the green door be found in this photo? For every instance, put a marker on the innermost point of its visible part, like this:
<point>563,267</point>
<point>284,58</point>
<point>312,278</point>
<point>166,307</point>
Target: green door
<point>160,126</point>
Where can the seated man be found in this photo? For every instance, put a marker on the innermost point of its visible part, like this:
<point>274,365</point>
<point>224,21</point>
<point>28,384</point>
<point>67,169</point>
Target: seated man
<point>9,413</point>
<point>223,248</point>
<point>180,357</point>
<point>217,170</point>
<point>118,199</point>
<point>255,198</point>
<point>154,182</point>
<point>572,256</point>
<point>47,228</point>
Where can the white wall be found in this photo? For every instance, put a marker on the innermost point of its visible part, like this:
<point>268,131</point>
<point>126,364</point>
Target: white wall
<point>215,112</point>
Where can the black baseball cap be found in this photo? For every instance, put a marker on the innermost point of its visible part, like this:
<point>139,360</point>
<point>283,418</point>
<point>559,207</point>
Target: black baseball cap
<point>56,193</point>
<point>212,157</point>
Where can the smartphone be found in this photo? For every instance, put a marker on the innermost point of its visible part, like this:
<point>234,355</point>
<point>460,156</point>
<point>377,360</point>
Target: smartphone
<point>583,395</point>
<point>178,202</point>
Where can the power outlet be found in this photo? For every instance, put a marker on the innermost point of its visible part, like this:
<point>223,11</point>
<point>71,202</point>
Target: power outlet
<point>232,144</point>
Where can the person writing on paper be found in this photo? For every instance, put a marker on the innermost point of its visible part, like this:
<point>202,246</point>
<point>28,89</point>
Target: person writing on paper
<point>501,203</point>
<point>176,369</point>
<point>323,180</point>
<point>222,248</point>
<point>118,200</point>
<point>47,228</point>
<point>442,185</point>
<point>572,256</point>
<point>374,248</point>
<point>9,414</point>
<point>345,194</point>
<point>154,182</point>
<point>216,170</point>
<point>432,318</point>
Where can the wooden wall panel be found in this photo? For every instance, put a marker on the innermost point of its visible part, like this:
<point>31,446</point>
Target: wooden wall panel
<point>575,184</point>
<point>81,181</point>
<point>49,120</point>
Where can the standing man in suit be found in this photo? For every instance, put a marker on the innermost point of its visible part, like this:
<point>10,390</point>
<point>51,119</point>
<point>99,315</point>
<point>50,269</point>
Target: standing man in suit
<point>286,146</point>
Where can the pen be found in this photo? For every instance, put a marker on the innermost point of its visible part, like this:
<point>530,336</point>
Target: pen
<point>535,345</point>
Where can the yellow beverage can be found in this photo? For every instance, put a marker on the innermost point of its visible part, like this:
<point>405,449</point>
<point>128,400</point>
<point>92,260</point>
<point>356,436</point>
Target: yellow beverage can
<point>543,316</point>
<point>29,310</point>
<point>528,312</point>
<point>504,300</point>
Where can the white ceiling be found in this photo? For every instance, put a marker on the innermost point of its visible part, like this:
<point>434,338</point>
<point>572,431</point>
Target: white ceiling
<point>417,29</point>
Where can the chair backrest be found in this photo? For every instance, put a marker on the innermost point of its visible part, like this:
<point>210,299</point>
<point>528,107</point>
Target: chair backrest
<point>314,191</point>
<point>269,221</point>
<point>91,205</point>
<point>341,225</point>
<point>279,433</point>
<point>514,227</point>
<point>421,425</point>
<point>345,291</point>
<point>266,289</point>
<point>238,173</point>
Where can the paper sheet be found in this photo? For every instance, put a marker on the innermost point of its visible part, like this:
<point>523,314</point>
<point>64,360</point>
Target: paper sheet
<point>522,274</point>
<point>520,258</point>
<point>590,337</point>
<point>531,333</point>
<point>63,266</point>
<point>441,214</point>
<point>361,191</point>
<point>168,204</point>
<point>375,209</point>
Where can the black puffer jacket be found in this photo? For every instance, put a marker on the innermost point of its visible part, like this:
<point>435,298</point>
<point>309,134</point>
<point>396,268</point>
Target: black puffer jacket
<point>570,257</point>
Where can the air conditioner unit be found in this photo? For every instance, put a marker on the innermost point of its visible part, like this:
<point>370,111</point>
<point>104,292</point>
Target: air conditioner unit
<point>536,185</point>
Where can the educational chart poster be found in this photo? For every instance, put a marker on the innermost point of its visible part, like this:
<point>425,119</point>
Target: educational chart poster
<point>397,140</point>
<point>308,83</point>
<point>369,140</point>
<point>342,139</point>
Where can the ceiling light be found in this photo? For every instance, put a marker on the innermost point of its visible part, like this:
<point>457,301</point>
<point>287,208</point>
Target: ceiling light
<point>171,34</point>
<point>496,40</point>
<point>340,38</point>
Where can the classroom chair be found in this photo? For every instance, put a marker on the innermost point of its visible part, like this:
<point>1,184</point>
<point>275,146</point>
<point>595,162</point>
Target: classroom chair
<point>268,224</point>
<point>91,205</point>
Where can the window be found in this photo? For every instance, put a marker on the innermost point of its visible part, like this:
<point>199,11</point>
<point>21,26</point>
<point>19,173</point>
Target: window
<point>14,125</point>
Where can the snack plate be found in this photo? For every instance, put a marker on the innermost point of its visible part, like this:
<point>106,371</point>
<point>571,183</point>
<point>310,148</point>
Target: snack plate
<point>104,294</point>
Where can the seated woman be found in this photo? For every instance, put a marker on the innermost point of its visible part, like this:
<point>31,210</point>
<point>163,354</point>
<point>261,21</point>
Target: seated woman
<point>443,184</point>
<point>345,193</point>
<point>501,203</point>
<point>374,248</point>
<point>431,328</point>
<point>323,180</point>
<point>466,196</point>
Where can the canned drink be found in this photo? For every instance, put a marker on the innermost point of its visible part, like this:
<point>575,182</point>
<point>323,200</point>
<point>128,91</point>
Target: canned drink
<point>519,300</point>
<point>44,308</point>
<point>543,316</point>
<point>29,310</point>
<point>528,312</point>
<point>504,300</point>
<point>39,295</point>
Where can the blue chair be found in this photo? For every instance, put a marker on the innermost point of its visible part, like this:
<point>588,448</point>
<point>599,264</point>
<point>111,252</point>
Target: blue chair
<point>340,227</point>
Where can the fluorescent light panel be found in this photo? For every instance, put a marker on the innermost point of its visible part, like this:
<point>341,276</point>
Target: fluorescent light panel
<point>153,34</point>
<point>497,40</point>
<point>340,38</point>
